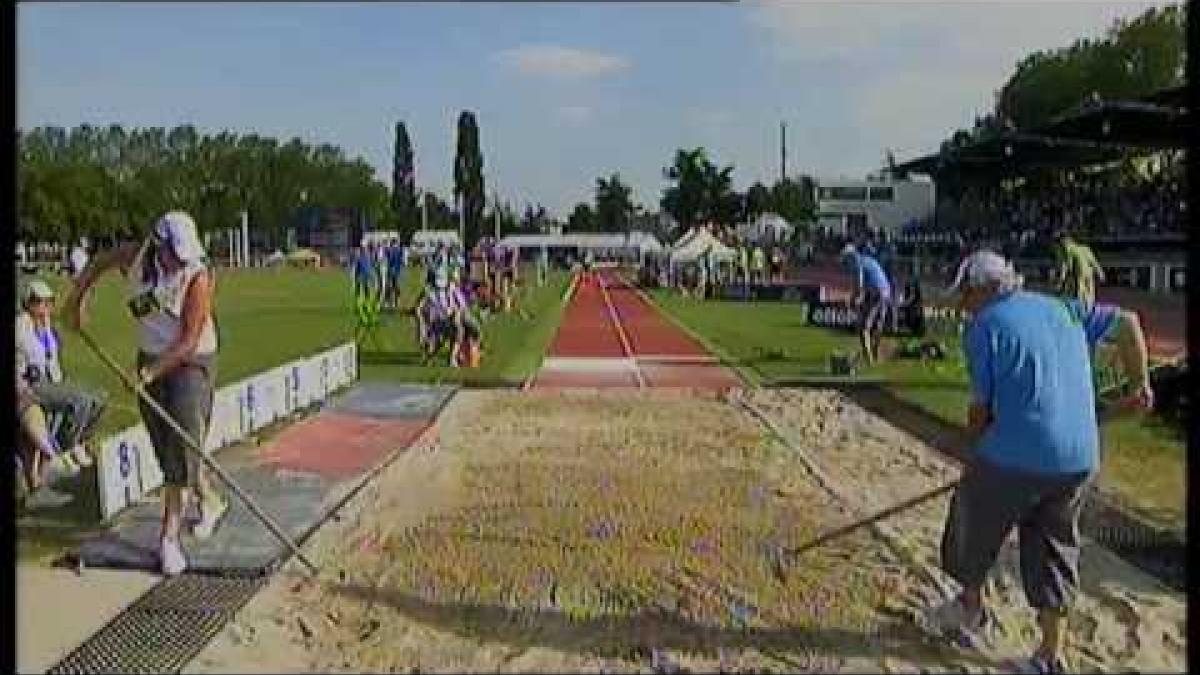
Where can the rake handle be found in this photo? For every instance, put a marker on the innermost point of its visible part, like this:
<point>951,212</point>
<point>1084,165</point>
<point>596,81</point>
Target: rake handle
<point>194,447</point>
<point>872,519</point>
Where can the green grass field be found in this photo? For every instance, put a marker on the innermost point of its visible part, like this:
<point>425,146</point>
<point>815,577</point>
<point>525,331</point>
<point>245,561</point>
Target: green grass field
<point>269,317</point>
<point>1144,460</point>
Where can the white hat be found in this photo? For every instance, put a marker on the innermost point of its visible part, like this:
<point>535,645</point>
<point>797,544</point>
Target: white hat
<point>982,268</point>
<point>848,250</point>
<point>37,289</point>
<point>178,230</point>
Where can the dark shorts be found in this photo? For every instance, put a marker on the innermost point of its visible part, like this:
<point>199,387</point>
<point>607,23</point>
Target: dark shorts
<point>875,311</point>
<point>186,394</point>
<point>989,502</point>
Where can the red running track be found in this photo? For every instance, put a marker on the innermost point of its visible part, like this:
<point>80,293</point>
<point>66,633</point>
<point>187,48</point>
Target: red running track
<point>587,330</point>
<point>618,339</point>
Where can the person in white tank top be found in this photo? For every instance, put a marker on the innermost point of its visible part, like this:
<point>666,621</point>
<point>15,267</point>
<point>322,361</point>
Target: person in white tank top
<point>171,299</point>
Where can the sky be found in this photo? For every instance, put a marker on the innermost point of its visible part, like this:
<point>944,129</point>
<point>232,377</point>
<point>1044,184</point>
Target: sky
<point>564,92</point>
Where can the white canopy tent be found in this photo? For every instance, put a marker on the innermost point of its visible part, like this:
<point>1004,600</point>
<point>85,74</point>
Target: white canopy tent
<point>696,243</point>
<point>768,227</point>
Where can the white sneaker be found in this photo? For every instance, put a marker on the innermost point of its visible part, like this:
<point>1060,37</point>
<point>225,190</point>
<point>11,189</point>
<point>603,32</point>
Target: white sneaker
<point>171,557</point>
<point>82,458</point>
<point>952,621</point>
<point>208,520</point>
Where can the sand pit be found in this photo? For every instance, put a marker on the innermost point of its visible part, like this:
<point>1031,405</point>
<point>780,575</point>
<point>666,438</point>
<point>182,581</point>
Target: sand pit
<point>630,532</point>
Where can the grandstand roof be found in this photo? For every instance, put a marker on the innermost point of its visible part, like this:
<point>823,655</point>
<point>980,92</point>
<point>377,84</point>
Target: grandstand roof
<point>1094,132</point>
<point>1135,123</point>
<point>1013,153</point>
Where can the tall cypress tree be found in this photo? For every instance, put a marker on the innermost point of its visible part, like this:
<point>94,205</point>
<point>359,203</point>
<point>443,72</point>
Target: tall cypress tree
<point>404,191</point>
<point>468,176</point>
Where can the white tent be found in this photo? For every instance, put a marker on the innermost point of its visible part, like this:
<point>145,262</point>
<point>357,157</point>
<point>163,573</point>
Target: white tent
<point>768,227</point>
<point>638,243</point>
<point>693,245</point>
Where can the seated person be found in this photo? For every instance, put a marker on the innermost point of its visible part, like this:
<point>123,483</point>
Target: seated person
<point>35,445</point>
<point>38,362</point>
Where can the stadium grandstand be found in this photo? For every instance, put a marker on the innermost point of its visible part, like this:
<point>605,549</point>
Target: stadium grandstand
<point>1109,172</point>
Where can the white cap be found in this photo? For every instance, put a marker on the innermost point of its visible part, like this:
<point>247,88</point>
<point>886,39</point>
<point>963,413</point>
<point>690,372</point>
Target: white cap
<point>848,250</point>
<point>178,230</point>
<point>982,268</point>
<point>37,289</point>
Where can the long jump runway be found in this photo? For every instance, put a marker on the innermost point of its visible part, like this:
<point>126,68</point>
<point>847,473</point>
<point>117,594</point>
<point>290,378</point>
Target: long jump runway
<point>612,337</point>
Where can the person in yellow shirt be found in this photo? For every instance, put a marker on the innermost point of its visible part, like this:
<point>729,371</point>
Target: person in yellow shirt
<point>1078,270</point>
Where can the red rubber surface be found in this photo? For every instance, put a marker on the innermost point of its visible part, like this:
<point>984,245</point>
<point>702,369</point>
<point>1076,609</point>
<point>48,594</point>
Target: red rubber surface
<point>340,446</point>
<point>649,333</point>
<point>586,329</point>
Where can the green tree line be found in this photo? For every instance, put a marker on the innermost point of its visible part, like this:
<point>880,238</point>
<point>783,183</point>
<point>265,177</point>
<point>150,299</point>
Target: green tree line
<point>698,191</point>
<point>110,182</point>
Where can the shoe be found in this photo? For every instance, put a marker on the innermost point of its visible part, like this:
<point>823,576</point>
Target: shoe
<point>81,456</point>
<point>170,556</point>
<point>208,520</point>
<point>952,621</point>
<point>1038,665</point>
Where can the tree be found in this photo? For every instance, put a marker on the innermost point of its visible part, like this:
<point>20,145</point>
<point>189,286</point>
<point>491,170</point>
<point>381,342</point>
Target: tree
<point>614,207</point>
<point>404,192</point>
<point>702,191</point>
<point>685,200</point>
<point>468,176</point>
<point>793,200</point>
<point>758,201</point>
<point>582,219</point>
<point>103,182</point>
<point>1134,59</point>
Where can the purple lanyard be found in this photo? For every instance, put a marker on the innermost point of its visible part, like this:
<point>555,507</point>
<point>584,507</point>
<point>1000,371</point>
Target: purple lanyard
<point>49,342</point>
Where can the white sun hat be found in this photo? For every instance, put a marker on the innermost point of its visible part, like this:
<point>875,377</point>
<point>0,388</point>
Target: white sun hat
<point>178,230</point>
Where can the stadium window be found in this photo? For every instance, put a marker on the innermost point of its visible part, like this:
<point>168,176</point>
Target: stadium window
<point>844,194</point>
<point>883,194</point>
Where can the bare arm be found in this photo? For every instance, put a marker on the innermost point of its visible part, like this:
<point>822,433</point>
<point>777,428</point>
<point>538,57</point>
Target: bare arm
<point>197,305</point>
<point>122,257</point>
<point>1134,357</point>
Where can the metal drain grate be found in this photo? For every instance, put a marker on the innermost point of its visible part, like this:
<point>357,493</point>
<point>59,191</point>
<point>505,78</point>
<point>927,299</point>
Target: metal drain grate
<point>165,628</point>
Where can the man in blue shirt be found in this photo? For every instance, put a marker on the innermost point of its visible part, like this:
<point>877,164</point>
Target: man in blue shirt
<point>1033,416</point>
<point>395,273</point>
<point>872,295</point>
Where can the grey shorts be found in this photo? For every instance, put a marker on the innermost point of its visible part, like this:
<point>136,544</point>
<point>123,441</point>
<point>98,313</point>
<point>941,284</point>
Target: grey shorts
<point>78,409</point>
<point>186,394</point>
<point>989,502</point>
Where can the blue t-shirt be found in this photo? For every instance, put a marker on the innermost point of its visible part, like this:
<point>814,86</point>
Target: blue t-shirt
<point>869,274</point>
<point>1030,364</point>
<point>1098,322</point>
<point>362,266</point>
<point>395,258</point>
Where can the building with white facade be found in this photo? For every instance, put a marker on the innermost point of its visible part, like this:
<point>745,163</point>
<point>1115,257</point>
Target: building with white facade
<point>851,207</point>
